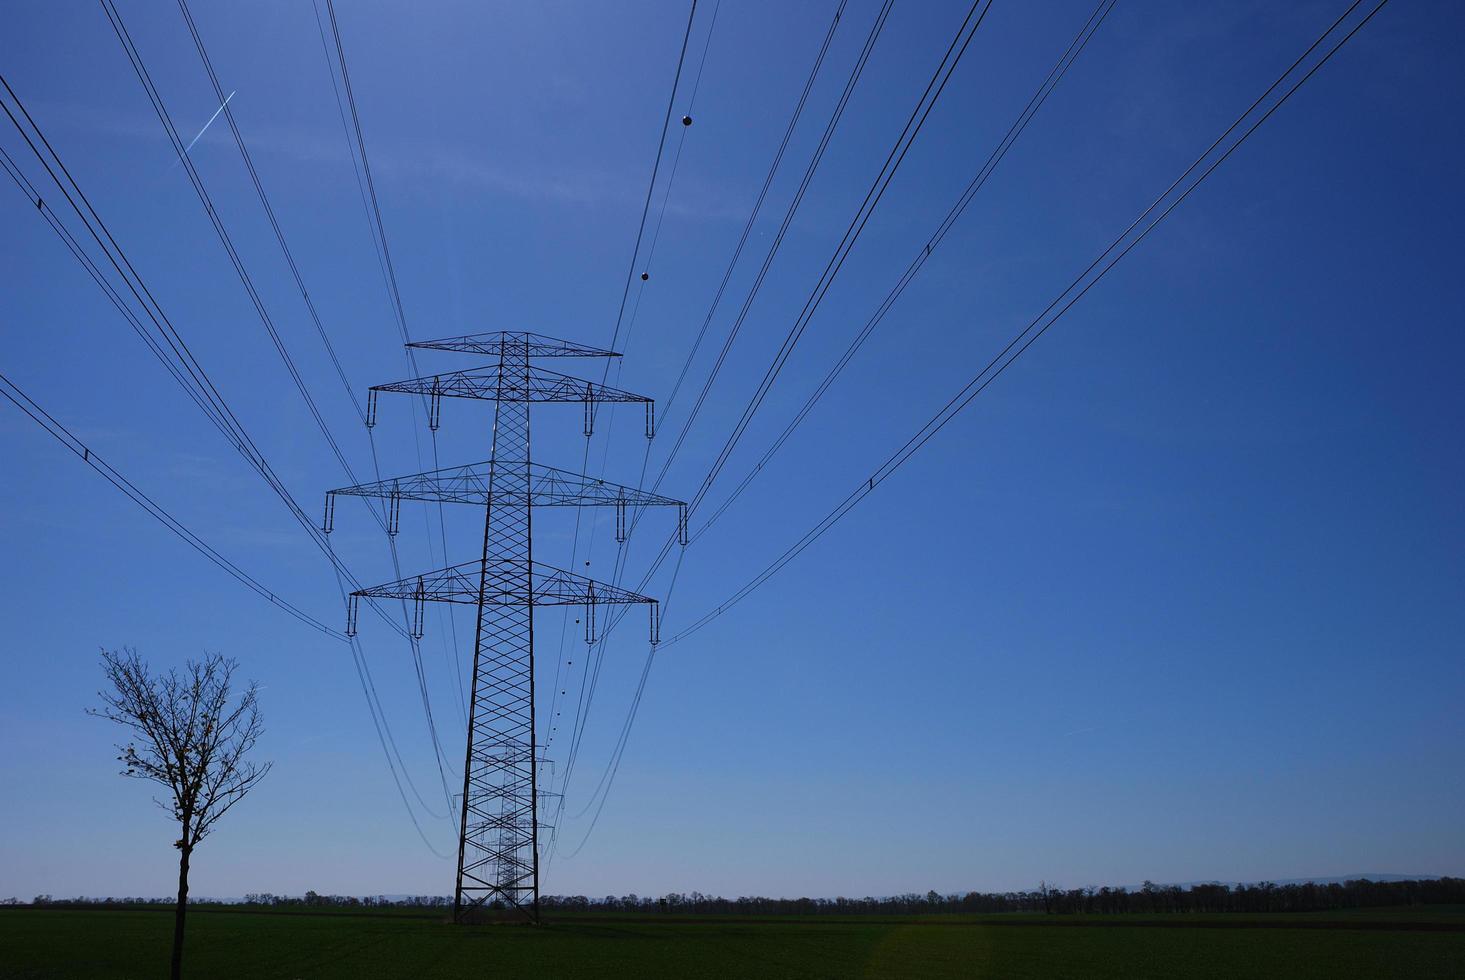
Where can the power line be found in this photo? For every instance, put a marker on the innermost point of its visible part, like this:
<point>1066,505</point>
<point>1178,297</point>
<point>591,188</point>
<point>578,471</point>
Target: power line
<point>873,196</point>
<point>26,187</point>
<point>757,208</point>
<point>366,184</point>
<point>831,125</point>
<point>169,346</point>
<point>651,184</point>
<point>636,248</point>
<point>607,778</point>
<point>187,371</point>
<point>1080,286</point>
<point>616,333</point>
<point>67,438</point>
<point>181,362</point>
<point>79,253</point>
<point>376,227</point>
<point>661,212</point>
<point>139,68</point>
<point>675,164</point>
<point>902,144</point>
<point>379,241</point>
<point>610,433</point>
<point>866,207</point>
<point>932,92</point>
<point>970,392</point>
<point>379,722</point>
<point>396,292</point>
<point>1055,75</point>
<point>155,97</point>
<point>838,113</point>
<point>623,554</point>
<point>269,210</point>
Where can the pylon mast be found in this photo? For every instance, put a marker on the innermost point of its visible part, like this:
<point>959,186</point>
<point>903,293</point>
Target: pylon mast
<point>498,840</point>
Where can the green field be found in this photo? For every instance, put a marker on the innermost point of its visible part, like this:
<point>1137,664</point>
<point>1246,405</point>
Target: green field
<point>36,943</point>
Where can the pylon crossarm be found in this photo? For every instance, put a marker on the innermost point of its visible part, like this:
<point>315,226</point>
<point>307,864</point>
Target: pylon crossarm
<point>493,383</point>
<point>548,487</point>
<point>518,343</point>
<point>549,586</point>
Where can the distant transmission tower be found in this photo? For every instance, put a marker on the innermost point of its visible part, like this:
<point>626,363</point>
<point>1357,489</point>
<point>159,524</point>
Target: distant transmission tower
<point>498,841</point>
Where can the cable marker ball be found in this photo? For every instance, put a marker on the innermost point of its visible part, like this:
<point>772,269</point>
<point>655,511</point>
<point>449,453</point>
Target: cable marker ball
<point>645,276</point>
<point>686,120</point>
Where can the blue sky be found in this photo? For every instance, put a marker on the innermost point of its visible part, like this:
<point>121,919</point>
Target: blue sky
<point>1178,598</point>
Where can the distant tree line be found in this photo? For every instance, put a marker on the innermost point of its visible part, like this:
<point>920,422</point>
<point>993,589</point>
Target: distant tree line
<point>312,900</point>
<point>1050,899</point>
<point>1149,898</point>
<point>309,900</point>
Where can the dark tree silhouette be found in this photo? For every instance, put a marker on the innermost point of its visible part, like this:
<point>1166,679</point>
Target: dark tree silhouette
<point>188,737</point>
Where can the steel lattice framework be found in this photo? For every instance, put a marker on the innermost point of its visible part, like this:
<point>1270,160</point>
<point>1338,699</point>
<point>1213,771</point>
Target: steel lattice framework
<point>548,487</point>
<point>498,842</point>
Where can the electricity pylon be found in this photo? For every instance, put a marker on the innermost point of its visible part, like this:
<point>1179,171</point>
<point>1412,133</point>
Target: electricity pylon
<point>498,840</point>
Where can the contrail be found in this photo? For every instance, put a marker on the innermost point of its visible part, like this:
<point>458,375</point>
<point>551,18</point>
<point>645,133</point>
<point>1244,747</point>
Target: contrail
<point>209,123</point>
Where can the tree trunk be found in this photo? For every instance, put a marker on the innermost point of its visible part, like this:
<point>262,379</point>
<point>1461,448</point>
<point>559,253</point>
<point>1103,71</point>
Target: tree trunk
<point>183,855</point>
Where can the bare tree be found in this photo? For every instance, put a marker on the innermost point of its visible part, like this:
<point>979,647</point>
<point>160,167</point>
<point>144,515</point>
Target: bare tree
<point>188,737</point>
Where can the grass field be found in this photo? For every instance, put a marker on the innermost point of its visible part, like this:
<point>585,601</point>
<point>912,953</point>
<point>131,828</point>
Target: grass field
<point>1427,943</point>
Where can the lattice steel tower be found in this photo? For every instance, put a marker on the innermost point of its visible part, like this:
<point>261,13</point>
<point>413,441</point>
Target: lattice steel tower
<point>498,841</point>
